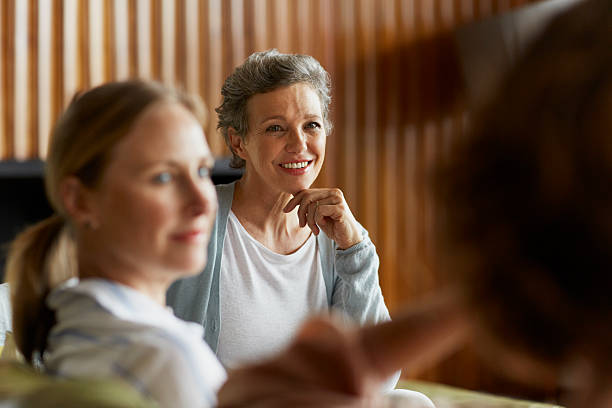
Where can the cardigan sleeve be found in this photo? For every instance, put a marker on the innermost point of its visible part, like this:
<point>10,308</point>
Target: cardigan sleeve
<point>356,290</point>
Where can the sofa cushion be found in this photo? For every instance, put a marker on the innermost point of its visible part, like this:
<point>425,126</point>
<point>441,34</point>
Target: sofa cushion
<point>22,386</point>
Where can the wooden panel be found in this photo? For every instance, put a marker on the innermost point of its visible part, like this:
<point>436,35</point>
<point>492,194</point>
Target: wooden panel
<point>69,43</point>
<point>168,27</point>
<point>192,45</point>
<point>143,40</point>
<point>121,39</point>
<point>21,81</point>
<point>45,114</point>
<point>97,57</point>
<point>397,94</point>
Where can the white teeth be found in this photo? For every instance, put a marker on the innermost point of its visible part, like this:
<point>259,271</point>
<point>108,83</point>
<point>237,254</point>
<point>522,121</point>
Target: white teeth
<point>299,165</point>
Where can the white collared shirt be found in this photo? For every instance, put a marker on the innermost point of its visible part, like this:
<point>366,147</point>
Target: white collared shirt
<point>105,329</point>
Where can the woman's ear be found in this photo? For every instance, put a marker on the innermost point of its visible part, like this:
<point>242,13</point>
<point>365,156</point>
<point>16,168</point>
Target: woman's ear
<point>237,143</point>
<point>78,202</point>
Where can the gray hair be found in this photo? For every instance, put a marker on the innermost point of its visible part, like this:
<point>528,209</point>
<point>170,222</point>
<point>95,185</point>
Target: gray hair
<point>263,72</point>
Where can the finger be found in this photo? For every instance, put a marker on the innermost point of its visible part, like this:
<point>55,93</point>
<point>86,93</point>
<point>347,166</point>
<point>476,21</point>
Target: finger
<point>310,195</point>
<point>305,207</point>
<point>303,211</point>
<point>422,334</point>
<point>328,355</point>
<point>310,216</point>
<point>295,201</point>
<point>326,212</point>
<point>310,210</point>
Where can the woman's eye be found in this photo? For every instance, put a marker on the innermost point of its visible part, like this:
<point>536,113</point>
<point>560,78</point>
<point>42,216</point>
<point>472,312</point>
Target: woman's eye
<point>274,128</point>
<point>203,172</point>
<point>163,178</point>
<point>313,125</point>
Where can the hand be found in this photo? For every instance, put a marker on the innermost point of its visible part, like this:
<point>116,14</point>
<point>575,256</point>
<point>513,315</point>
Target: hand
<point>323,367</point>
<point>326,208</point>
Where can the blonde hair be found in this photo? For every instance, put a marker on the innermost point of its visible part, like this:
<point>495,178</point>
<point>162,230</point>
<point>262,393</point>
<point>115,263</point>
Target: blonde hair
<point>82,143</point>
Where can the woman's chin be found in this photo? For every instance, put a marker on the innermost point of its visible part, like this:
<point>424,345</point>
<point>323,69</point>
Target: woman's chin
<point>298,184</point>
<point>190,266</point>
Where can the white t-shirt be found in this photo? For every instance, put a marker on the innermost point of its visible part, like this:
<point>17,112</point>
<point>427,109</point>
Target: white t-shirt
<point>105,330</point>
<point>265,296</point>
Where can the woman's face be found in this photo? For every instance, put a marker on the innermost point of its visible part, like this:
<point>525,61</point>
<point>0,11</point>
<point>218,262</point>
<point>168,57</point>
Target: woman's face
<point>156,203</point>
<point>284,148</point>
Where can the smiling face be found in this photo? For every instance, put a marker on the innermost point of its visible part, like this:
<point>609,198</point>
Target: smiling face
<point>284,148</point>
<point>154,208</point>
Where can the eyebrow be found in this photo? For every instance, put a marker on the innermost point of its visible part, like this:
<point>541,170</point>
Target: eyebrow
<point>207,160</point>
<point>277,117</point>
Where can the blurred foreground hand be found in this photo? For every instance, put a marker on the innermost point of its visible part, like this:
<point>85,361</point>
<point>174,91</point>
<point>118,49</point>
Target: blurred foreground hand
<point>331,366</point>
<point>323,367</point>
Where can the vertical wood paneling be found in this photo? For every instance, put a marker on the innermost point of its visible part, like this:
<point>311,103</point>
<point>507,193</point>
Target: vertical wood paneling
<point>192,46</point>
<point>97,60</point>
<point>180,43</point>
<point>32,108</point>
<point>121,39</point>
<point>108,36</point>
<point>368,106</point>
<point>70,53</point>
<point>45,113</point>
<point>143,41</point>
<point>260,32</point>
<point>21,81</point>
<point>346,129</point>
<point>388,113</point>
<point>396,104</point>
<point>213,65</point>
<point>280,25</point>
<point>168,27</point>
<point>133,37</point>
<point>237,30</point>
<point>8,46</point>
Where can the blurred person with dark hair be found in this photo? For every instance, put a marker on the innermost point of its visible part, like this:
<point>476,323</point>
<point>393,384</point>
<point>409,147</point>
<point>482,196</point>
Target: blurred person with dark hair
<point>527,200</point>
<point>526,232</point>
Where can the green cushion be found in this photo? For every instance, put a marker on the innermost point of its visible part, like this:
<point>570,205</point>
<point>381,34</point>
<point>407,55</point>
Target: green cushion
<point>21,384</point>
<point>443,395</point>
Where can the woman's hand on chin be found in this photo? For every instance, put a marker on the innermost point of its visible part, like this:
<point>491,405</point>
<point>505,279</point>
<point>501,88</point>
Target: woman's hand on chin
<point>326,208</point>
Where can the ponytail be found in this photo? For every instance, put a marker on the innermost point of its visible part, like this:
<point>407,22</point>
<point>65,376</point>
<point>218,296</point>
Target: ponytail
<point>40,258</point>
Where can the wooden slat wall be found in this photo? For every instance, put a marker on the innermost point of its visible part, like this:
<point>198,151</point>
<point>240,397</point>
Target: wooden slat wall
<point>397,91</point>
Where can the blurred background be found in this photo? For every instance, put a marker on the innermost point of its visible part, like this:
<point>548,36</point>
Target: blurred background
<point>406,74</point>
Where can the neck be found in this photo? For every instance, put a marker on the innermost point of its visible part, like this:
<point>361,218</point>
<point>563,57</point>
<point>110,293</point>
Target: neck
<point>105,267</point>
<point>262,208</point>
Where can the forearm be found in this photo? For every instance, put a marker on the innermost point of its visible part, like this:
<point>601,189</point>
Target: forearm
<point>357,291</point>
<point>420,335</point>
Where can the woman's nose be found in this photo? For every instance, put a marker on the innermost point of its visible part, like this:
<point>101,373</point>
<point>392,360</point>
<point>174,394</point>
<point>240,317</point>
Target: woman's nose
<point>296,142</point>
<point>202,198</point>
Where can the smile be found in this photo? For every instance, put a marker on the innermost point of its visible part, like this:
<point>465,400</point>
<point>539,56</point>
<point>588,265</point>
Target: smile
<point>192,236</point>
<point>296,165</point>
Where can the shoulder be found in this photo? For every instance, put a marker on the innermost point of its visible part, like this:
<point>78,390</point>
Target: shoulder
<point>171,372</point>
<point>225,191</point>
<point>5,311</point>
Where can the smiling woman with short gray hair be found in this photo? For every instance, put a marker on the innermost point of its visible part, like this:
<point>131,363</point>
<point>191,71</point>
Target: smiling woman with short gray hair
<point>281,250</point>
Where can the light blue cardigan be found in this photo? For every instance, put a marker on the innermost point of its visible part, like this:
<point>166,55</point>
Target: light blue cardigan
<point>351,279</point>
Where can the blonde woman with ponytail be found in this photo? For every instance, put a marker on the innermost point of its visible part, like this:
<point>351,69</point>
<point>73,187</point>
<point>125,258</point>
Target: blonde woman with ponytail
<point>127,174</point>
